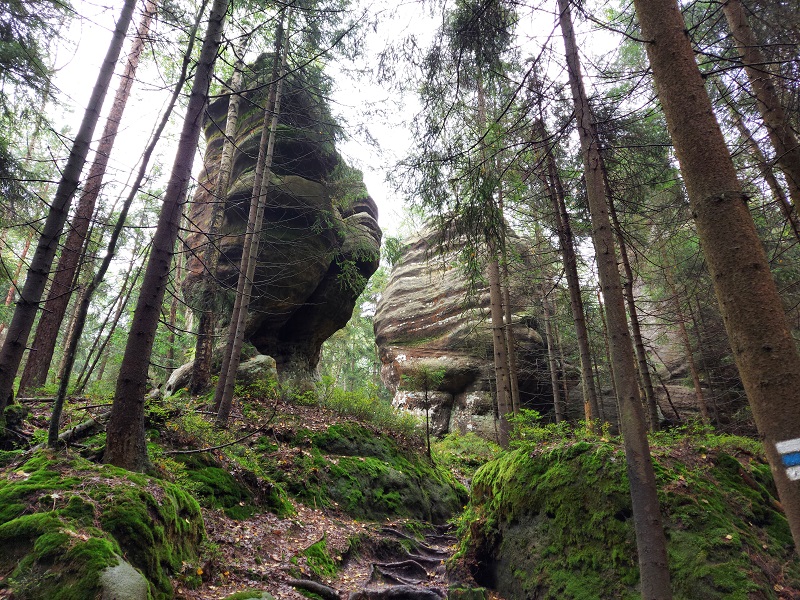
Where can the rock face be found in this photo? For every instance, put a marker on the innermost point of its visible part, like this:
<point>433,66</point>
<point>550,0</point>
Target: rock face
<point>320,240</point>
<point>426,320</point>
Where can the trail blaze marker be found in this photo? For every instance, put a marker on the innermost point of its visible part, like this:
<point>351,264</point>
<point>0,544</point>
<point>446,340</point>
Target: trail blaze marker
<point>790,457</point>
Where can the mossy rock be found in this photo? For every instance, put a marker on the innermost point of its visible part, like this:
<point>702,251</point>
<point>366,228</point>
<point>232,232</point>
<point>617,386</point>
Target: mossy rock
<point>217,488</point>
<point>250,595</point>
<point>366,474</point>
<point>556,522</point>
<point>64,521</point>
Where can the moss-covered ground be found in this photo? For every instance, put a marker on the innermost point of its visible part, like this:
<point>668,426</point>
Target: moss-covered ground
<point>553,520</point>
<point>366,474</point>
<point>63,520</point>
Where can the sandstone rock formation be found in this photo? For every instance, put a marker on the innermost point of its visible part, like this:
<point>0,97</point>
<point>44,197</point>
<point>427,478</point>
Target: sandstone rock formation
<point>427,320</point>
<point>320,240</point>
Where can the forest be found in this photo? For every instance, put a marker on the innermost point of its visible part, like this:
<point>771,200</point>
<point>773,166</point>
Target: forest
<point>360,299</point>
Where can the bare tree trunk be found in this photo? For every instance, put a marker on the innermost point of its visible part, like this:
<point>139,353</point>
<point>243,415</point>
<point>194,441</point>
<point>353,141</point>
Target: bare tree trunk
<point>687,344</point>
<point>98,348</point>
<point>44,341</point>
<point>555,189</point>
<point>508,329</point>
<point>602,312</point>
<point>767,172</point>
<point>173,313</point>
<point>551,359</point>
<point>31,293</point>
<point>15,279</point>
<point>759,332</point>
<point>781,134</point>
<point>650,540</point>
<point>499,345</point>
<point>125,439</point>
<point>564,384</point>
<point>636,330</point>
<point>201,370</point>
<point>223,394</point>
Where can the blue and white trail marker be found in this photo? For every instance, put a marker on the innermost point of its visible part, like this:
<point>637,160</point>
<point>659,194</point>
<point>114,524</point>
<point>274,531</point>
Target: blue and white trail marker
<point>790,457</point>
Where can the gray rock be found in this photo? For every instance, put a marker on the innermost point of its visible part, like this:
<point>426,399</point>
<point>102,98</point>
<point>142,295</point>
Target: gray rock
<point>260,367</point>
<point>123,582</point>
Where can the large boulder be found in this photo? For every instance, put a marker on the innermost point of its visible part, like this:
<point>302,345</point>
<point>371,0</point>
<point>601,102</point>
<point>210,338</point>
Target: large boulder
<point>428,320</point>
<point>320,240</point>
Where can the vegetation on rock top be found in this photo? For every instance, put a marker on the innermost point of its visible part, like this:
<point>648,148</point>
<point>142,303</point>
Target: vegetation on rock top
<point>553,520</point>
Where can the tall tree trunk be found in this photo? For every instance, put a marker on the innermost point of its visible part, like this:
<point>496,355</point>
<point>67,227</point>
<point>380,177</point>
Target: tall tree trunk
<point>508,329</point>
<point>125,440</point>
<point>781,134</point>
<point>558,408</point>
<point>601,310</point>
<point>15,279</point>
<point>650,540</point>
<point>636,330</point>
<point>44,341</point>
<point>223,394</point>
<point>97,351</point>
<point>31,293</point>
<point>201,370</point>
<point>555,189</point>
<point>499,346</point>
<point>687,344</point>
<point>563,362</point>
<point>759,332</point>
<point>767,172</point>
<point>173,313</point>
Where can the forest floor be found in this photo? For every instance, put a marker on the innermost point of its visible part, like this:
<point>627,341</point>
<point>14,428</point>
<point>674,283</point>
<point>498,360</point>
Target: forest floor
<point>265,551</point>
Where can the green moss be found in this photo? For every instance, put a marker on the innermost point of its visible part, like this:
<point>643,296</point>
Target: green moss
<point>555,522</point>
<point>366,474</point>
<point>49,534</point>
<point>319,560</point>
<point>250,595</point>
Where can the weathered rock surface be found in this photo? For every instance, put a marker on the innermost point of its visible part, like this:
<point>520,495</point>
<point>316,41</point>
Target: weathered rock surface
<point>320,241</point>
<point>258,368</point>
<point>123,582</point>
<point>426,319</point>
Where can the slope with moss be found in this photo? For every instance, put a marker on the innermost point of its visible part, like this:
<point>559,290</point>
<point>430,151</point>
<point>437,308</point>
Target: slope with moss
<point>64,520</point>
<point>554,521</point>
<point>367,475</point>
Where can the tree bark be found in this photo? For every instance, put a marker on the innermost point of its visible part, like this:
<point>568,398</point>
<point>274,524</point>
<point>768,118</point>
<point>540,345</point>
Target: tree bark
<point>763,348</point>
<point>201,370</point>
<point>499,347</point>
<point>687,344</point>
<point>650,540</point>
<point>125,441</point>
<point>555,188</point>
<point>558,408</point>
<point>767,172</point>
<point>508,330</point>
<point>223,394</point>
<point>781,134</point>
<point>636,330</point>
<point>31,293</point>
<point>44,342</point>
